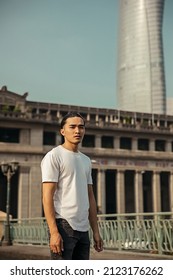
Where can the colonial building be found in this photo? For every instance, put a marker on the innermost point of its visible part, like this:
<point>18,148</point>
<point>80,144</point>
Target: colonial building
<point>131,154</point>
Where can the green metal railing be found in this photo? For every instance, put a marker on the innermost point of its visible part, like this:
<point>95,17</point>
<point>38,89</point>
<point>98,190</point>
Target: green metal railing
<point>29,231</point>
<point>140,232</point>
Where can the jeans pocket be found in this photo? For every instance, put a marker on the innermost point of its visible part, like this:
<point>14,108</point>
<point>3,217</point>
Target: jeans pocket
<point>65,227</point>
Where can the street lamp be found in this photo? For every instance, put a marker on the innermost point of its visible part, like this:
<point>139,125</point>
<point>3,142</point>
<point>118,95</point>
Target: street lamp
<point>8,169</point>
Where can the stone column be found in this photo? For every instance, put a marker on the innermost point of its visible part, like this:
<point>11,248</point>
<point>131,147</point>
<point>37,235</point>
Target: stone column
<point>120,187</point>
<point>138,192</point>
<point>35,192</point>
<point>23,193</point>
<point>25,137</point>
<point>116,142</point>
<point>134,144</point>
<point>98,141</point>
<point>152,145</point>
<point>168,146</point>
<point>36,136</point>
<point>156,192</point>
<point>101,196</point>
<point>171,191</point>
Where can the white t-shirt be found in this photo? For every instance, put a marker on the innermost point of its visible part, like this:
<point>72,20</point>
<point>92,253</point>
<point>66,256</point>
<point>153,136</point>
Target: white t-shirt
<point>72,172</point>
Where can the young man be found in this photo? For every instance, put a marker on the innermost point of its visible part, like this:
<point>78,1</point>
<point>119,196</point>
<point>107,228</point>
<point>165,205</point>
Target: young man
<point>68,198</point>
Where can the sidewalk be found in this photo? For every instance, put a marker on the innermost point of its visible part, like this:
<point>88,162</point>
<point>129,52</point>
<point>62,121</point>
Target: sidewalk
<point>30,252</point>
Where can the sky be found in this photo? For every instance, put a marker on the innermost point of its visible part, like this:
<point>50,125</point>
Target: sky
<point>65,51</point>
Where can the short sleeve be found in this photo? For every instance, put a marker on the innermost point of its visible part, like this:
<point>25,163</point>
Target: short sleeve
<point>89,179</point>
<point>49,168</point>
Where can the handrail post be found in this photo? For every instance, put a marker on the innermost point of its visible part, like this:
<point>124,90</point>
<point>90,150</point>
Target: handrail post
<point>119,233</point>
<point>159,234</point>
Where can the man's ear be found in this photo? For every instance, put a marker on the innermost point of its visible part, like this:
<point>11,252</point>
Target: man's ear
<point>62,131</point>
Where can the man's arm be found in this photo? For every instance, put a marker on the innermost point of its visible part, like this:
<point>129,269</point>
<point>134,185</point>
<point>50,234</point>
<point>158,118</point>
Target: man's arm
<point>98,243</point>
<point>56,242</point>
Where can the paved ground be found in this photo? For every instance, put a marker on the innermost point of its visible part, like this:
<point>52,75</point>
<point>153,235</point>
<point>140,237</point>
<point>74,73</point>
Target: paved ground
<point>29,252</point>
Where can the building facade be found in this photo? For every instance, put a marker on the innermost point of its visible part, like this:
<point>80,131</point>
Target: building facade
<point>131,155</point>
<point>169,105</point>
<point>141,77</point>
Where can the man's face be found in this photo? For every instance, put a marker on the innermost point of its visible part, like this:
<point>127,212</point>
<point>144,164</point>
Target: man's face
<point>73,130</point>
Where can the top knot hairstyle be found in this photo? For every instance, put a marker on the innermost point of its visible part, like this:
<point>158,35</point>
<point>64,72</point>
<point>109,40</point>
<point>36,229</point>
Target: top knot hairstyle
<point>70,115</point>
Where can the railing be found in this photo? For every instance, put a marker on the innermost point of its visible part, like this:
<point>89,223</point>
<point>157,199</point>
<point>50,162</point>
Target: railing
<point>143,232</point>
<point>29,231</point>
<point>140,232</point>
<point>121,121</point>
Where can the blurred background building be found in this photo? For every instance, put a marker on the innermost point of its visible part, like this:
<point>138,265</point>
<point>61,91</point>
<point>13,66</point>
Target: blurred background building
<point>141,77</point>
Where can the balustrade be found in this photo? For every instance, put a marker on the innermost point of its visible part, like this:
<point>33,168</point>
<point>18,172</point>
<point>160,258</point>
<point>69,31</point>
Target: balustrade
<point>137,231</point>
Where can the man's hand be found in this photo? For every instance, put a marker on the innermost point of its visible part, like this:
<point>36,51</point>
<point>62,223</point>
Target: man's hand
<point>56,243</point>
<point>98,243</point>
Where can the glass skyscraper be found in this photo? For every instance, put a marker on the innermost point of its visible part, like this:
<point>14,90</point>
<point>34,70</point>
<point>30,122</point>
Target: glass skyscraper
<point>140,77</point>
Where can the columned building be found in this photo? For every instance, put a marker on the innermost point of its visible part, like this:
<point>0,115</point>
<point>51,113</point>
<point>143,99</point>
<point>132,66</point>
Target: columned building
<point>131,155</point>
<point>141,77</point>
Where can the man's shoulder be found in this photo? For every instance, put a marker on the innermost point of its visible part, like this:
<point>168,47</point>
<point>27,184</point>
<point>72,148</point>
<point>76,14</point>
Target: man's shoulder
<point>52,156</point>
<point>85,156</point>
<point>53,152</point>
<point>56,149</point>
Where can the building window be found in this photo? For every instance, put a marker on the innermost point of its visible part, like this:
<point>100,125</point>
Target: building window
<point>143,144</point>
<point>89,141</point>
<point>107,142</point>
<point>9,135</point>
<point>160,145</point>
<point>110,197</point>
<point>125,143</point>
<point>49,138</point>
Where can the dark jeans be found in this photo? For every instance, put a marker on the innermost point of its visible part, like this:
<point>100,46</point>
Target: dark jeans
<point>76,243</point>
